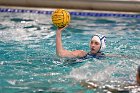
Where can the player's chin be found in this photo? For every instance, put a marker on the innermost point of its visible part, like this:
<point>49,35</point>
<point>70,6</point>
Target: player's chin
<point>93,51</point>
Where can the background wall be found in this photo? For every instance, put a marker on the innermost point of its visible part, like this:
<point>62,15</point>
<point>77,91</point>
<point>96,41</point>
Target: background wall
<point>107,5</point>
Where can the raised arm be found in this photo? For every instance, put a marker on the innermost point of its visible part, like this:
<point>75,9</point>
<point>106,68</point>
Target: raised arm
<point>61,52</point>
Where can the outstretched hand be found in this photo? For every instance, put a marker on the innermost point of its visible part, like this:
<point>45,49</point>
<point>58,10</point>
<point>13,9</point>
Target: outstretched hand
<point>61,29</point>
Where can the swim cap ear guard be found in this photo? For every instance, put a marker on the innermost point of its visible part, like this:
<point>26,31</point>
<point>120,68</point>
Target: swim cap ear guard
<point>101,39</point>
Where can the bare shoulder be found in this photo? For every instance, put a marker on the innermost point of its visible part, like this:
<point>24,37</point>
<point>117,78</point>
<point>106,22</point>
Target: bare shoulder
<point>80,53</point>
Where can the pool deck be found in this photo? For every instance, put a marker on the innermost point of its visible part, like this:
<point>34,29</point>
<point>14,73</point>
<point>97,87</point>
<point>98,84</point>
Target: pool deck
<point>99,5</point>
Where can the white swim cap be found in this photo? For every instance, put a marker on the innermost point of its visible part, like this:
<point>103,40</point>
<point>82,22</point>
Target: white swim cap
<point>101,39</point>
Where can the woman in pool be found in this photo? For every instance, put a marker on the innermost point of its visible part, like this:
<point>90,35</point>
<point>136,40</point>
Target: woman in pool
<point>138,75</point>
<point>97,44</point>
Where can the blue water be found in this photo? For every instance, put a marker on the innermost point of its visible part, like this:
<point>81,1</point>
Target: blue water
<point>29,64</point>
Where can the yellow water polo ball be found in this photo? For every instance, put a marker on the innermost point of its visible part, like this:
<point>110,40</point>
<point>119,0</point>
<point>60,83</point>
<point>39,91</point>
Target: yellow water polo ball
<point>60,18</point>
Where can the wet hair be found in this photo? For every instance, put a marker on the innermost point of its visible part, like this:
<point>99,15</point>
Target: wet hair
<point>138,70</point>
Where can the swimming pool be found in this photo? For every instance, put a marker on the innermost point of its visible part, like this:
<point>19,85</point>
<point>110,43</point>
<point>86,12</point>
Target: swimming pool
<point>28,62</point>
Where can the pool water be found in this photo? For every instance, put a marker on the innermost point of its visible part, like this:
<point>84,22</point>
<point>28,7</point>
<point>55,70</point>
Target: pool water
<point>29,64</point>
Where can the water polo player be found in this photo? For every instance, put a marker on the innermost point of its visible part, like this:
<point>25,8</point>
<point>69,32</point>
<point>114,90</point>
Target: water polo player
<point>97,44</point>
<point>138,75</point>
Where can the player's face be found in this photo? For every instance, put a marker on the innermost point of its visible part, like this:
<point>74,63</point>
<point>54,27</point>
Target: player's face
<point>94,46</point>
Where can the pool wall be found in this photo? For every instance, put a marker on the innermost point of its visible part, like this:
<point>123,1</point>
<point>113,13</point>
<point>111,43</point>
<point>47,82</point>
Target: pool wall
<point>72,12</point>
<point>105,5</point>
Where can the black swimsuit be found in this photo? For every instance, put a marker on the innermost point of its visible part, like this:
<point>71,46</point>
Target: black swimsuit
<point>89,55</point>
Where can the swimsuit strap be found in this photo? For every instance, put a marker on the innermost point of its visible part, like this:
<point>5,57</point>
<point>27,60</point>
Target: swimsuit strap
<point>89,55</point>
